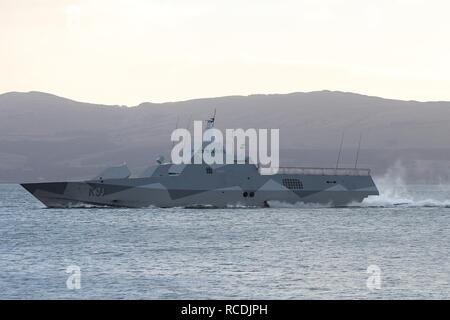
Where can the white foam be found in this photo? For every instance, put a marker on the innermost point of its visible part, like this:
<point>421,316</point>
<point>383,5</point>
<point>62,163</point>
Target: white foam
<point>281,204</point>
<point>394,192</point>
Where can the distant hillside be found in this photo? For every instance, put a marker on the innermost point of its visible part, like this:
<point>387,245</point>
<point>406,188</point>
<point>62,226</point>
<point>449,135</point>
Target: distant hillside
<point>45,137</point>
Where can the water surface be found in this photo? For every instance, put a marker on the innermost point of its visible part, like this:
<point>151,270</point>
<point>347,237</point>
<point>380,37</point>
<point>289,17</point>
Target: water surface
<point>297,252</point>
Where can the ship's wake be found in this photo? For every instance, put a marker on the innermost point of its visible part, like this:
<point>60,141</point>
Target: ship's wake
<point>394,192</point>
<point>402,202</point>
<point>371,202</point>
<point>399,196</point>
<point>409,200</point>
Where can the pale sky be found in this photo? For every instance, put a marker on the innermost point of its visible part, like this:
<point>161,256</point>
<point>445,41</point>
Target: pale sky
<point>131,51</point>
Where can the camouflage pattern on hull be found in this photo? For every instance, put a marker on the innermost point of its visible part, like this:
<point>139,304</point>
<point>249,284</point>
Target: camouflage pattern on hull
<point>169,185</point>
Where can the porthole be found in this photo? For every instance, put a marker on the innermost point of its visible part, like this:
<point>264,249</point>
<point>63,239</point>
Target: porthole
<point>245,194</point>
<point>252,194</point>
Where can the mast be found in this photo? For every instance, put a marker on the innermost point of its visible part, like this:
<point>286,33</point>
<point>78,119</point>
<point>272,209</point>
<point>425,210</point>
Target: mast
<point>340,150</point>
<point>357,151</point>
<point>176,127</point>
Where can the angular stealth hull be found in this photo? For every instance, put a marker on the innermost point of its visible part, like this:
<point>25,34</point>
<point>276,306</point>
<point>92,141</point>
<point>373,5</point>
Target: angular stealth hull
<point>169,185</point>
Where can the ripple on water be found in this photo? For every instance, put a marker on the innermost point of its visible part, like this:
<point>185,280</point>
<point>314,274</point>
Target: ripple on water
<point>282,253</point>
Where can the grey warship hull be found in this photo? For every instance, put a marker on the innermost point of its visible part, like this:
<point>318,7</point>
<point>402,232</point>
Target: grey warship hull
<point>169,185</point>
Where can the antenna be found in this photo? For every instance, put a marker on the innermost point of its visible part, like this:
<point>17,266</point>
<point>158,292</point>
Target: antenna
<point>188,125</point>
<point>176,127</point>
<point>210,121</point>
<point>357,151</point>
<point>340,149</point>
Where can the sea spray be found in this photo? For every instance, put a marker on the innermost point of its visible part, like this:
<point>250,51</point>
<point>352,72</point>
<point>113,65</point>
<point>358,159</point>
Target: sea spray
<point>395,192</point>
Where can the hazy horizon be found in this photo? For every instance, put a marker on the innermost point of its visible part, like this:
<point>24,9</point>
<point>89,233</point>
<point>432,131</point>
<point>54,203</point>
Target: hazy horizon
<point>121,52</point>
<point>211,97</point>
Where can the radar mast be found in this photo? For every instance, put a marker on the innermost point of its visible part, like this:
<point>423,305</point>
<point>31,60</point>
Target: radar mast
<point>210,121</point>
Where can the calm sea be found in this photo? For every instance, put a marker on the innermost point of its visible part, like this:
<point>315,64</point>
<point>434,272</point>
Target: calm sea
<point>394,246</point>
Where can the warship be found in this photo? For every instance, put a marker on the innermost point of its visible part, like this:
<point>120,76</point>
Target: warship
<point>201,185</point>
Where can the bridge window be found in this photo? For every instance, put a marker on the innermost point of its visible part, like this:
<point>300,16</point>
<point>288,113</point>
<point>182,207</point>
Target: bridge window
<point>209,170</point>
<point>293,184</point>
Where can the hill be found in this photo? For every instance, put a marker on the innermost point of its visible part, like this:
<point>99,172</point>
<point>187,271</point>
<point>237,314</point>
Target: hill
<point>44,137</point>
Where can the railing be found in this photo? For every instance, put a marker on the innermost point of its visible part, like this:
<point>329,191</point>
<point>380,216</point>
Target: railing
<point>318,171</point>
